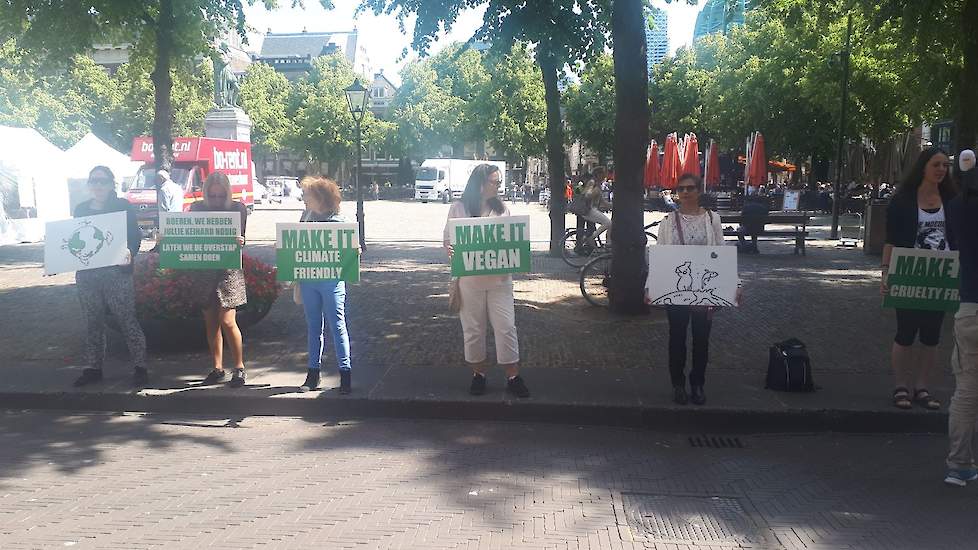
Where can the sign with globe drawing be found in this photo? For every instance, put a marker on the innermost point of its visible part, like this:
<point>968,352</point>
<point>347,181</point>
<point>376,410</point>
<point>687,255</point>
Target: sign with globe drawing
<point>692,275</point>
<point>84,243</point>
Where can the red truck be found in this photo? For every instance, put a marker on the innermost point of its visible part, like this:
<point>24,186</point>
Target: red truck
<point>194,158</point>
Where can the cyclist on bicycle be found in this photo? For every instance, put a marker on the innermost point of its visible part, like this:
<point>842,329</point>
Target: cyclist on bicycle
<point>596,206</point>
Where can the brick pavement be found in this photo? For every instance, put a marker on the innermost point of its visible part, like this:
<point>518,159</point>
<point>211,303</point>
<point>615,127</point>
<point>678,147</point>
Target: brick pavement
<point>146,481</point>
<point>399,323</point>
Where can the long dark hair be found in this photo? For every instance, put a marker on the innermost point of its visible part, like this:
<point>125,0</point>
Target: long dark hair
<point>472,196</point>
<point>915,177</point>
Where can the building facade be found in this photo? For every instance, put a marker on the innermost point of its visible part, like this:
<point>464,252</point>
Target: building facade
<point>656,36</point>
<point>720,15</point>
<point>292,53</point>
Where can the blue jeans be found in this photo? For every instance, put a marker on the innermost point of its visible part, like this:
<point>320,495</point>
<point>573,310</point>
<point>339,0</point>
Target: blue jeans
<point>325,303</point>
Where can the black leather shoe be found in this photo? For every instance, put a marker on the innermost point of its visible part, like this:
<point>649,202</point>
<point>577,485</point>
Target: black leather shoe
<point>478,386</point>
<point>345,387</point>
<point>697,396</point>
<point>679,395</point>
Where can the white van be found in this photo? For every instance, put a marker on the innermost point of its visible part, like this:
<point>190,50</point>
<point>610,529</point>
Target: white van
<point>445,179</point>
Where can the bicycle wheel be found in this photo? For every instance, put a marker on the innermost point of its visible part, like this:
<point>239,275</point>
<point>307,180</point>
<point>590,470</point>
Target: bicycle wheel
<point>575,256</point>
<point>595,280</point>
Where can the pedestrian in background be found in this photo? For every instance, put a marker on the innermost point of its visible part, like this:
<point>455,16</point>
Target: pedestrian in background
<point>917,218</point>
<point>170,193</point>
<point>486,299</point>
<point>109,289</point>
<point>753,214</point>
<point>690,225</point>
<point>324,302</point>
<point>223,290</point>
<point>963,233</point>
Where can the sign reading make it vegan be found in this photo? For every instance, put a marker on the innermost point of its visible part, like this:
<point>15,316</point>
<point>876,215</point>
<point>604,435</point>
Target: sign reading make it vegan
<point>923,279</point>
<point>490,246</point>
<point>200,240</point>
<point>317,251</point>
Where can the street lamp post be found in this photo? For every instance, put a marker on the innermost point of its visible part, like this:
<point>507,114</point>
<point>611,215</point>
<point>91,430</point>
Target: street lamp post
<point>840,158</point>
<point>356,96</point>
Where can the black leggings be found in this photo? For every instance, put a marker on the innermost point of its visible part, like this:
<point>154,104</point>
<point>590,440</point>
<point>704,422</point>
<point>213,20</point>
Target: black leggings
<point>679,319</point>
<point>910,322</point>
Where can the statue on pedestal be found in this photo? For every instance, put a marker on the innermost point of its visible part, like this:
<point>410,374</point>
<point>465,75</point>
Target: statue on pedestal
<point>226,86</point>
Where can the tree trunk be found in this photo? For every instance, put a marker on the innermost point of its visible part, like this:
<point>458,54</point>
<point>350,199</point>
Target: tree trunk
<point>966,122</point>
<point>163,84</point>
<point>631,137</point>
<point>555,150</point>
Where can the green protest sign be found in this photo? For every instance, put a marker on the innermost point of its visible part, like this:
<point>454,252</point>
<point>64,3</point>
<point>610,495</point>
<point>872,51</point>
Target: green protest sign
<point>320,251</point>
<point>490,246</point>
<point>200,240</point>
<point>923,279</point>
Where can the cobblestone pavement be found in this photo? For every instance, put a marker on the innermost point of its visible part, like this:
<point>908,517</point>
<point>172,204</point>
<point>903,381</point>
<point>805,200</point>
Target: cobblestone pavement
<point>143,481</point>
<point>398,315</point>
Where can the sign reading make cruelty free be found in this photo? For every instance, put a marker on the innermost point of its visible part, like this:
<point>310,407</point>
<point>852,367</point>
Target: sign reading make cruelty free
<point>923,279</point>
<point>200,240</point>
<point>490,246</point>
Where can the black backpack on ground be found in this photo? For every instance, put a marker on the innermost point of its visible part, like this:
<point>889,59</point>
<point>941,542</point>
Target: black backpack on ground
<point>789,368</point>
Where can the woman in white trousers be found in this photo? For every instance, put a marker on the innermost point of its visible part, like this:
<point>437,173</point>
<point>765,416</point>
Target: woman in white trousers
<point>487,300</point>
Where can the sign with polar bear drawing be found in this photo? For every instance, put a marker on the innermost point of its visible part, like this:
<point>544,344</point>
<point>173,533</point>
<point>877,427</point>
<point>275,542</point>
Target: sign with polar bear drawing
<point>692,275</point>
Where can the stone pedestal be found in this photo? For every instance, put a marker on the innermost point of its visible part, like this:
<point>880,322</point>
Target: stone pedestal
<point>227,123</point>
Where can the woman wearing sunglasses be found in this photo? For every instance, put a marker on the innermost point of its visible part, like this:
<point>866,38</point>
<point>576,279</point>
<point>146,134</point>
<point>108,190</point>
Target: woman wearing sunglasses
<point>690,225</point>
<point>224,289</point>
<point>109,289</point>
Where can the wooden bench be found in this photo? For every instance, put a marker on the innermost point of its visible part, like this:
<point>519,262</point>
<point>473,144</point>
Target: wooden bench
<point>800,221</point>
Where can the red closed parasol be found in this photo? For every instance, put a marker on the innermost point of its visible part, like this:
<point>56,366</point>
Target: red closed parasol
<point>652,166</point>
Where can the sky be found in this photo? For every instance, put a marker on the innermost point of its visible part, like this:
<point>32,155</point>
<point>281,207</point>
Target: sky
<point>385,42</point>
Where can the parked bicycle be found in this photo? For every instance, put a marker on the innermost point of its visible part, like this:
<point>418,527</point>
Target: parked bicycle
<point>595,278</point>
<point>576,255</point>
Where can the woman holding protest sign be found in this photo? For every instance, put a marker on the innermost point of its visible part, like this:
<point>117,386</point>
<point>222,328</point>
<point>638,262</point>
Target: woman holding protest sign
<point>324,302</point>
<point>690,225</point>
<point>109,289</point>
<point>486,299</point>
<point>917,218</point>
<point>223,289</point>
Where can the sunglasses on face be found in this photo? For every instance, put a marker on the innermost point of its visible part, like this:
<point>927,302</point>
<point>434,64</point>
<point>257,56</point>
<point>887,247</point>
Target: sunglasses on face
<point>217,197</point>
<point>687,189</point>
<point>100,181</point>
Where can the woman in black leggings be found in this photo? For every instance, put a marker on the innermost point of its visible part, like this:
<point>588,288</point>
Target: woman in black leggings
<point>917,218</point>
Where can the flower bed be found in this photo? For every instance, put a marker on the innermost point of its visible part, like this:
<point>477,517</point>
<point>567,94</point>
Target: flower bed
<point>168,301</point>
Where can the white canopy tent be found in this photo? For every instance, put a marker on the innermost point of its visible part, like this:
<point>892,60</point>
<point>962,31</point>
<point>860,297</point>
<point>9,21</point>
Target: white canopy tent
<point>90,151</point>
<point>33,184</point>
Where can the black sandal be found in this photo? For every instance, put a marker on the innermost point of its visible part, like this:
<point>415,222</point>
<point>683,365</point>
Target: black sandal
<point>923,398</point>
<point>901,398</point>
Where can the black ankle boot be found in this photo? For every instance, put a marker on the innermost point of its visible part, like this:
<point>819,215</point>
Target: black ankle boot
<point>679,395</point>
<point>312,381</point>
<point>697,396</point>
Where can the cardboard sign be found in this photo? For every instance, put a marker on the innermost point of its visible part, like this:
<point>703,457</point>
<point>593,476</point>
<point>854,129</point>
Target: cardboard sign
<point>200,240</point>
<point>692,275</point>
<point>490,246</point>
<point>84,243</point>
<point>317,251</point>
<point>792,200</point>
<point>923,279</point>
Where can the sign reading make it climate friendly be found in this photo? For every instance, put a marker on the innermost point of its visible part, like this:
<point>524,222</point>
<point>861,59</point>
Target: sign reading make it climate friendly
<point>923,279</point>
<point>490,246</point>
<point>317,251</point>
<point>200,240</point>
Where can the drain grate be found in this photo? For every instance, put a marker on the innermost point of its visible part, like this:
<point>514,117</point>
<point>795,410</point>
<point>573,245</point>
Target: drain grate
<point>716,442</point>
<point>683,519</point>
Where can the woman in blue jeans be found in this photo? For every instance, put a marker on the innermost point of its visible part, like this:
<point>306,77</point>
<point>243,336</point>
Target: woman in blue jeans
<point>324,302</point>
